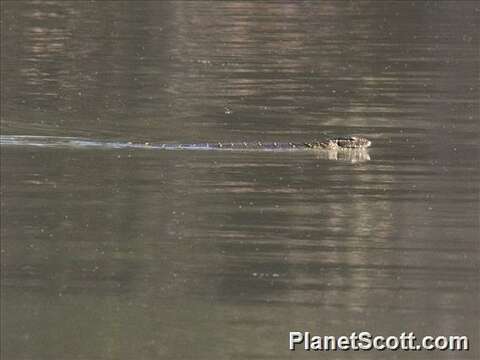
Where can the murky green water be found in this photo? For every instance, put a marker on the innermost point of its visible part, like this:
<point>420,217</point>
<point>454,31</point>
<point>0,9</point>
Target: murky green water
<point>143,254</point>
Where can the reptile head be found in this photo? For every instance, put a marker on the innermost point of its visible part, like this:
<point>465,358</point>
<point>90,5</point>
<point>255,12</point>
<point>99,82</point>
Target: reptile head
<point>351,142</point>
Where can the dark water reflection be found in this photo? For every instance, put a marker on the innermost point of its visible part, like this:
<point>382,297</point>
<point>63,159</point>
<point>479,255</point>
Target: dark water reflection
<point>142,254</point>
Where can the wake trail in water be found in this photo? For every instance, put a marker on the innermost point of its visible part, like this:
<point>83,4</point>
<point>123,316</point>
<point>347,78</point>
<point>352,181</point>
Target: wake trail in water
<point>75,142</point>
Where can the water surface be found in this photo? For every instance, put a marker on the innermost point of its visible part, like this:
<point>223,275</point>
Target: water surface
<point>132,253</point>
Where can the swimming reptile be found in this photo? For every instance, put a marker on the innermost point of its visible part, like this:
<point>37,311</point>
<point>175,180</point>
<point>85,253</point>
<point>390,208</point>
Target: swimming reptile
<point>338,143</point>
<point>332,144</point>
